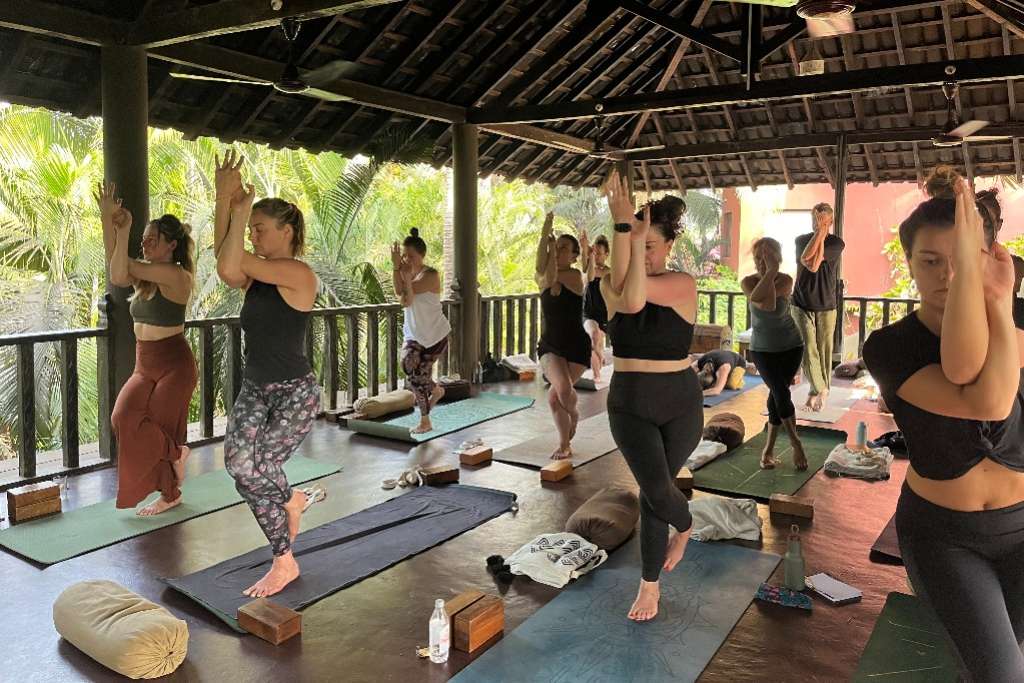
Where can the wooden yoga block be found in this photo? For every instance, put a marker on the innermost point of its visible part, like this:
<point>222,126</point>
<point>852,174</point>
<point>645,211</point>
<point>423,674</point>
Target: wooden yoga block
<point>684,479</point>
<point>476,456</point>
<point>710,338</point>
<point>476,624</point>
<point>440,474</point>
<point>270,621</point>
<point>796,506</point>
<point>556,470</point>
<point>527,376</point>
<point>32,501</point>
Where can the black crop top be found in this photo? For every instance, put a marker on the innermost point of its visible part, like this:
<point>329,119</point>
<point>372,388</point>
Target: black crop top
<point>275,336</point>
<point>940,447</point>
<point>654,333</point>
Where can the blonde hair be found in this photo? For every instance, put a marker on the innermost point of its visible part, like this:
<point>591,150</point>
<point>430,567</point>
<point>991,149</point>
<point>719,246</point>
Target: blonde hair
<point>767,243</point>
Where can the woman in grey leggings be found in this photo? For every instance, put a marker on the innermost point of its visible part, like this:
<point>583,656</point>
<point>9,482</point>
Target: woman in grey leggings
<point>655,404</point>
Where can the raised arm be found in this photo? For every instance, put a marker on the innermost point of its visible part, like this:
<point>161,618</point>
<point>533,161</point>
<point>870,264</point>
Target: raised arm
<point>721,377</point>
<point>634,287</point>
<point>108,202</point>
<point>397,263</point>
<point>965,327</point>
<point>616,190</point>
<point>814,252</point>
<point>228,184</point>
<point>586,256</point>
<point>121,226</point>
<point>232,249</point>
<point>545,252</point>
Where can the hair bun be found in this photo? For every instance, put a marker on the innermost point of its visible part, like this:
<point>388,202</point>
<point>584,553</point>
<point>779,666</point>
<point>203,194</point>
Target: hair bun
<point>941,183</point>
<point>186,228</point>
<point>414,232</point>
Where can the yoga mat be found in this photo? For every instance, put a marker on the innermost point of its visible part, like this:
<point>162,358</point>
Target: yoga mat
<point>840,399</point>
<point>446,417</point>
<point>340,553</point>
<point>76,532</point>
<point>584,635</point>
<point>907,645</point>
<point>739,471</point>
<point>888,543</point>
<point>749,382</point>
<point>593,439</point>
<point>586,381</point>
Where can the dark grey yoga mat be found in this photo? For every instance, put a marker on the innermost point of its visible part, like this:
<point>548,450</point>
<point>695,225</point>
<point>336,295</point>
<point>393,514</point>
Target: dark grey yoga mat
<point>340,553</point>
<point>584,635</point>
<point>887,547</point>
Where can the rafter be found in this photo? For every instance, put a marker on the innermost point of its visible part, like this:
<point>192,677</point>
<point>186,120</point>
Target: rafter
<point>683,29</point>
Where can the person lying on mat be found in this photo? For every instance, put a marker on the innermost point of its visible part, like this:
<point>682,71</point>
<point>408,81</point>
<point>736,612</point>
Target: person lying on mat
<point>960,515</point>
<point>655,407</point>
<point>595,315</point>
<point>775,345</point>
<point>715,368</point>
<point>425,329</point>
<point>564,347</point>
<point>280,395</point>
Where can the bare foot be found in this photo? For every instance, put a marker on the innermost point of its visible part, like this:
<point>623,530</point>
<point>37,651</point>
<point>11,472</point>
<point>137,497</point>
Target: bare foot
<point>294,509</point>
<point>799,457</point>
<point>676,548</point>
<point>284,570</point>
<point>562,453</point>
<point>179,464</point>
<point>645,607</point>
<point>574,416</point>
<point>809,403</point>
<point>436,395</point>
<point>423,427</point>
<point>816,402</point>
<point>768,460</point>
<point>158,506</point>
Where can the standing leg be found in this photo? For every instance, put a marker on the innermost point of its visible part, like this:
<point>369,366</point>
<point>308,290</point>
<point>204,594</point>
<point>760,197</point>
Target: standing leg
<point>681,434</point>
<point>418,364</point>
<point>768,367</point>
<point>825,328</point>
<point>811,361</point>
<point>562,399</point>
<point>788,365</point>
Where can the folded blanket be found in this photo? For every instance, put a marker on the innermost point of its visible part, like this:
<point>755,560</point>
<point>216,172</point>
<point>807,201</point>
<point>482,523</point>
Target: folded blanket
<point>871,464</point>
<point>520,363</point>
<point>716,518</point>
<point>556,559</point>
<point>705,452</point>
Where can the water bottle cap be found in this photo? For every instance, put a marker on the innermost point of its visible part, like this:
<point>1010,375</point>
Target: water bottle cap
<point>439,603</point>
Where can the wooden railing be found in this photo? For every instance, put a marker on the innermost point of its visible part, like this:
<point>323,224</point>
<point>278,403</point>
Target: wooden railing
<point>355,351</point>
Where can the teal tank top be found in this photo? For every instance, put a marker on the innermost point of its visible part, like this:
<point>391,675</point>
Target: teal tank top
<point>774,331</point>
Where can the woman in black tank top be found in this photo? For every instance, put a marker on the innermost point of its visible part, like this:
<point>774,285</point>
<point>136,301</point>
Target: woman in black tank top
<point>280,396</point>
<point>951,374</point>
<point>595,314</point>
<point>655,404</point>
<point>564,347</point>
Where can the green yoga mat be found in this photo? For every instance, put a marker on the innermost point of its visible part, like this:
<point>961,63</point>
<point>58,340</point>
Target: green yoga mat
<point>446,418</point>
<point>739,471</point>
<point>907,645</point>
<point>59,538</point>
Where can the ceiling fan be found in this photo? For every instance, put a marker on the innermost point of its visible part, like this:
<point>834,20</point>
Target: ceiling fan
<point>291,81</point>
<point>824,17</point>
<point>601,152</point>
<point>954,132</point>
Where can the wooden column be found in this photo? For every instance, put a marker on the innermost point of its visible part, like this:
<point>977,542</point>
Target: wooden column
<point>465,140</point>
<point>838,210</point>
<point>125,101</point>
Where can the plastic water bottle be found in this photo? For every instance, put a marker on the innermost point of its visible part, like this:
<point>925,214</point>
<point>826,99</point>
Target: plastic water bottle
<point>439,634</point>
<point>794,562</point>
<point>862,436</point>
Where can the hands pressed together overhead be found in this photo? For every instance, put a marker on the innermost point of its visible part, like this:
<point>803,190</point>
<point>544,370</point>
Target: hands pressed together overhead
<point>228,183</point>
<point>620,205</point>
<point>112,213</point>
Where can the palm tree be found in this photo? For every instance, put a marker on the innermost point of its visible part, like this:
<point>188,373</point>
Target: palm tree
<point>696,248</point>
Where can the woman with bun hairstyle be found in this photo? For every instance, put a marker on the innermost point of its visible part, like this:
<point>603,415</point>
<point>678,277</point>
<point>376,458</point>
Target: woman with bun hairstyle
<point>595,315</point>
<point>960,516</point>
<point>150,416</point>
<point>280,395</point>
<point>425,329</point>
<point>655,404</point>
<point>564,347</point>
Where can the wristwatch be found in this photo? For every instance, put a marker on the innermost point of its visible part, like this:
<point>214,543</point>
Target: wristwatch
<point>623,227</point>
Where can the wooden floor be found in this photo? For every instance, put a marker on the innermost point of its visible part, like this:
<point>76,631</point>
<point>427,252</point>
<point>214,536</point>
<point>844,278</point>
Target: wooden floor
<point>369,632</point>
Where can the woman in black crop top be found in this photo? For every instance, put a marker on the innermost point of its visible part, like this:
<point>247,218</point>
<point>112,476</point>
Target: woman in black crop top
<point>150,416</point>
<point>960,517</point>
<point>655,404</point>
<point>564,347</point>
<point>280,396</point>
<point>595,315</point>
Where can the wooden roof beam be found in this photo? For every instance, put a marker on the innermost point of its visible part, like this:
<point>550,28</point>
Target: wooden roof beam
<point>1011,20</point>
<point>683,29</point>
<point>51,19</point>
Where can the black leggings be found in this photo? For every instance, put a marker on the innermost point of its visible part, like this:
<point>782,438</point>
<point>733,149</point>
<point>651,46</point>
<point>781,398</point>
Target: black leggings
<point>777,369</point>
<point>656,420</point>
<point>972,563</point>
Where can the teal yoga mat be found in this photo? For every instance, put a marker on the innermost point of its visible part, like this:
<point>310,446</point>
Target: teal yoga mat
<point>584,635</point>
<point>739,471</point>
<point>907,645</point>
<point>73,533</point>
<point>446,418</point>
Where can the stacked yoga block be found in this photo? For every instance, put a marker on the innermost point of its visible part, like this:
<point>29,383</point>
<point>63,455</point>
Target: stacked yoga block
<point>32,501</point>
<point>476,618</point>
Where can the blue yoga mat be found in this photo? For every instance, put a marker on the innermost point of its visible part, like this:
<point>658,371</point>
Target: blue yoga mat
<point>749,382</point>
<point>584,635</point>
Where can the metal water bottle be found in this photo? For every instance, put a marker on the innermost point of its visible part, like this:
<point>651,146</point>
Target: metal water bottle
<point>440,633</point>
<point>862,436</point>
<point>794,561</point>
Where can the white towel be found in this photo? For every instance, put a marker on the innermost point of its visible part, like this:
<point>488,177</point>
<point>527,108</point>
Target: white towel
<point>705,452</point>
<point>871,464</point>
<point>556,559</point>
<point>716,518</point>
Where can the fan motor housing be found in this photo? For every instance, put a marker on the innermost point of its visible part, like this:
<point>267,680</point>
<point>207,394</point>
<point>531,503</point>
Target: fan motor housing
<point>823,9</point>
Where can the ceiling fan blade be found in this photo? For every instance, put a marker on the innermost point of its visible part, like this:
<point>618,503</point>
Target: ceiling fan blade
<point>986,138</point>
<point>339,68</point>
<point>326,95</point>
<point>218,79</point>
<point>649,148</point>
<point>827,26</point>
<point>968,128</point>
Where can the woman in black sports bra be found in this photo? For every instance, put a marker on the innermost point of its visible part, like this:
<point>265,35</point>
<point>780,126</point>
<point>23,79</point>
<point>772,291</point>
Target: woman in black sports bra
<point>595,314</point>
<point>950,373</point>
<point>564,348</point>
<point>655,404</point>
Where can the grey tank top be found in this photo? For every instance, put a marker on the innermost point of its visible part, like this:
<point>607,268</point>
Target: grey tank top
<point>774,331</point>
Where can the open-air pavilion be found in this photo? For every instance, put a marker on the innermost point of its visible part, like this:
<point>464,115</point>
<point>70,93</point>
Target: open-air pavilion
<point>679,95</point>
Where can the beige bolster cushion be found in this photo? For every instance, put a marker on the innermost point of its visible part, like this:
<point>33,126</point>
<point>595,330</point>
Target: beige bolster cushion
<point>120,629</point>
<point>607,518</point>
<point>385,404</point>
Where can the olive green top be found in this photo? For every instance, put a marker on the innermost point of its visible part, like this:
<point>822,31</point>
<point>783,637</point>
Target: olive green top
<point>159,310</point>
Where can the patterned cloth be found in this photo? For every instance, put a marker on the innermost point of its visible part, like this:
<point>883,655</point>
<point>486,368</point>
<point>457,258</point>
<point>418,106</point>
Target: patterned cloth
<point>556,559</point>
<point>418,364</point>
<point>267,424</point>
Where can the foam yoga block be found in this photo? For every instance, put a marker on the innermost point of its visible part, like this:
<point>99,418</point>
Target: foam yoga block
<point>607,518</point>
<point>121,630</point>
<point>385,404</point>
<point>725,428</point>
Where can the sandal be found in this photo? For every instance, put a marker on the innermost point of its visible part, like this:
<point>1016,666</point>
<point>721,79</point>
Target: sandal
<point>314,495</point>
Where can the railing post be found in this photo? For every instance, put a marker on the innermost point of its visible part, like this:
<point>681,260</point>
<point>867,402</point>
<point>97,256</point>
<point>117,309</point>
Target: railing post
<point>510,331</point>
<point>392,350</point>
<point>457,341</point>
<point>862,324</point>
<point>521,325</point>
<point>372,353</point>
<point>731,311</point>
<point>496,323</point>
<point>331,360</point>
<point>106,379</point>
<point>233,366</point>
<point>442,362</point>
<point>26,429</point>
<point>206,381</point>
<point>352,329</point>
<point>712,305</point>
<point>534,304</point>
<point>484,329</point>
<point>69,401</point>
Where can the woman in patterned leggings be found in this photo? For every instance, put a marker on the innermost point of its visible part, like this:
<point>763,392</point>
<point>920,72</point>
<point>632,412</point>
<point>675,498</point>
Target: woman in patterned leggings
<point>280,396</point>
